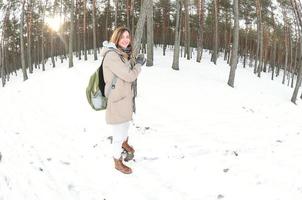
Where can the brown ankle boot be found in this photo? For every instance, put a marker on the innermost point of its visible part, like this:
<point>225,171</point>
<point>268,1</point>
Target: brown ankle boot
<point>127,147</point>
<point>121,167</point>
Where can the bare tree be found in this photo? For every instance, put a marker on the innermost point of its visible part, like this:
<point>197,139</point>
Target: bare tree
<point>29,25</point>
<point>285,42</point>
<point>94,30</point>
<point>25,77</point>
<point>140,27</point>
<point>71,34</point>
<point>235,44</point>
<point>132,16</point>
<point>200,13</point>
<point>259,36</point>
<point>4,44</point>
<point>187,27</point>
<point>128,8</point>
<point>51,44</point>
<point>150,40</point>
<point>85,29</point>
<point>115,13</point>
<point>215,38</point>
<point>297,10</point>
<point>175,64</point>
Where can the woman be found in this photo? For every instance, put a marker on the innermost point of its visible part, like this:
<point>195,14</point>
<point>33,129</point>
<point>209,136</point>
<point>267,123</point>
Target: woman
<point>120,103</point>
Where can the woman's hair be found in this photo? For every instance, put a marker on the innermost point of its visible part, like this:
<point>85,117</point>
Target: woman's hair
<point>117,35</point>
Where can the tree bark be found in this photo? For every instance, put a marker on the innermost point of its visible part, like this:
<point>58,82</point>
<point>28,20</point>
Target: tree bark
<point>115,13</point>
<point>200,13</point>
<point>285,44</point>
<point>215,41</point>
<point>132,16</point>
<point>94,30</point>
<point>298,15</point>
<point>85,30</point>
<point>25,77</point>
<point>150,39</point>
<point>29,25</point>
<point>51,45</point>
<point>71,34</point>
<point>128,7</point>
<point>140,27</point>
<point>188,32</point>
<point>235,44</point>
<point>4,43</point>
<point>175,64</point>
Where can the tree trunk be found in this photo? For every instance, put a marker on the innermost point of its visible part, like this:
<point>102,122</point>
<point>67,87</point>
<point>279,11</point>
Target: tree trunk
<point>107,20</point>
<point>150,39</point>
<point>235,44</point>
<point>94,30</point>
<point>77,31</point>
<point>140,27</point>
<point>29,24</point>
<point>215,38</point>
<point>273,64</point>
<point>259,69</point>
<point>245,44</point>
<point>200,12</point>
<point>4,43</point>
<point>259,38</point>
<point>63,46</point>
<point>51,46</point>
<point>298,16</point>
<point>188,32</point>
<point>258,34</point>
<point>175,64</point>
<point>286,46</point>
<point>115,14</point>
<point>71,34</point>
<point>226,41</point>
<point>25,77</point>
<point>128,7</point>
<point>85,30</point>
<point>132,16</point>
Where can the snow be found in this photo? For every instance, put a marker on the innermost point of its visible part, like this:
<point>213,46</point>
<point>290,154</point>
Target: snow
<point>195,137</point>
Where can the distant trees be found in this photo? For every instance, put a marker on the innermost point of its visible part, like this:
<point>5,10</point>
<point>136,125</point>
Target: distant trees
<point>264,42</point>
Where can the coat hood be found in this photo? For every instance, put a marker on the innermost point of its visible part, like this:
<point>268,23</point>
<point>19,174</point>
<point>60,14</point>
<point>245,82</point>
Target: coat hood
<point>107,46</point>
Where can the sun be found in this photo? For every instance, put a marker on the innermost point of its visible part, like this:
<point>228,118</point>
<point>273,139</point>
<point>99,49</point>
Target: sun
<point>54,23</point>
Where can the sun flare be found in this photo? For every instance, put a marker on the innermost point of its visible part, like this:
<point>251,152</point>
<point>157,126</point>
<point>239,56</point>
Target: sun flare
<point>54,23</point>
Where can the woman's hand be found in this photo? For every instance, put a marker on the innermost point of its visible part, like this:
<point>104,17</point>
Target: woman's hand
<point>140,59</point>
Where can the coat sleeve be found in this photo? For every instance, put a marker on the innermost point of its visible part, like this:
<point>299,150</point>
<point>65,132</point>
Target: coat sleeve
<point>114,63</point>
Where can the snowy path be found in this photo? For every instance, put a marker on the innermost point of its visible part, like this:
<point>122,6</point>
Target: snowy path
<point>195,137</point>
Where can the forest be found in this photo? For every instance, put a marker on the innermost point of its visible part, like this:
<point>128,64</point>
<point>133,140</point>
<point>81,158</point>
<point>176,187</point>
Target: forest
<point>262,34</point>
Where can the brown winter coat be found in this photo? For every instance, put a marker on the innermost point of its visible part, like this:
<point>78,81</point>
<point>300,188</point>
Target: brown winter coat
<point>120,101</point>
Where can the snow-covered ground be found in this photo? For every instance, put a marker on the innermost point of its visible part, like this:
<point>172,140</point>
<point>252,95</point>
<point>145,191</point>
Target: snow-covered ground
<point>195,137</point>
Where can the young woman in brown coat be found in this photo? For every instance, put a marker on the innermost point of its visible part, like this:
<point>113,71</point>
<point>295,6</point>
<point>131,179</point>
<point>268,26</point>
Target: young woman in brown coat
<point>120,100</point>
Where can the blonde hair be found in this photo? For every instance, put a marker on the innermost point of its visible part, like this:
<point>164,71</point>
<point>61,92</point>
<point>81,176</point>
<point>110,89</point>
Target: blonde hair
<point>117,35</point>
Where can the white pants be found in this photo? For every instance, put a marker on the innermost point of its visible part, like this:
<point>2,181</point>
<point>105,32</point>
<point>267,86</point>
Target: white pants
<point>119,134</point>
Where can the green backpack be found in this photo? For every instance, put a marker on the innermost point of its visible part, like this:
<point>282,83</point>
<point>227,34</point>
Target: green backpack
<point>95,91</point>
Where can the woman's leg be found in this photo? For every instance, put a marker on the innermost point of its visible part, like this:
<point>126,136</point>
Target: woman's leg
<point>119,134</point>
